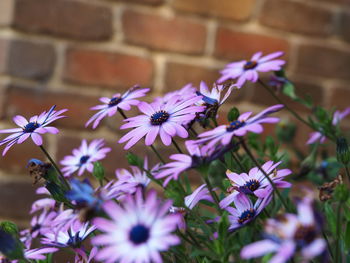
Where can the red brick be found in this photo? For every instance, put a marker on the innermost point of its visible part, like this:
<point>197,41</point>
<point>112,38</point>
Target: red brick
<point>344,29</point>
<point>16,199</point>
<point>228,9</point>
<point>260,96</point>
<point>6,12</point>
<point>146,2</point>
<point>297,17</point>
<point>178,74</point>
<point>91,67</point>
<point>339,97</point>
<point>27,59</point>
<point>30,101</point>
<point>17,157</point>
<point>66,18</point>
<point>323,61</point>
<point>173,34</point>
<point>231,44</point>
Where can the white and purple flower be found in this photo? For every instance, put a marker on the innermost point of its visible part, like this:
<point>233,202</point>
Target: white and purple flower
<point>201,193</point>
<point>84,157</point>
<point>138,230</point>
<point>245,210</point>
<point>223,134</point>
<point>118,101</point>
<point>290,234</point>
<point>255,182</point>
<point>33,128</point>
<point>165,120</point>
<point>249,70</point>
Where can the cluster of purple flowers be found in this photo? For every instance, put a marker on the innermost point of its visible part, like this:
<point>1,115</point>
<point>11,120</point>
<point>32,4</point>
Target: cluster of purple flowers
<point>125,220</point>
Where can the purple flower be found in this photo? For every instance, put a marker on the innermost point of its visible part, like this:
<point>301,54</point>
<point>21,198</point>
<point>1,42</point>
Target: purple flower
<point>213,97</point>
<point>118,101</point>
<point>289,234</point>
<point>84,157</point>
<point>182,162</point>
<point>255,182</point>
<point>129,182</point>
<point>201,193</point>
<point>337,117</point>
<point>163,119</point>
<point>245,210</point>
<point>82,257</point>
<point>248,70</point>
<point>38,253</point>
<point>33,128</point>
<point>224,133</point>
<point>71,237</point>
<point>138,230</point>
<point>186,92</point>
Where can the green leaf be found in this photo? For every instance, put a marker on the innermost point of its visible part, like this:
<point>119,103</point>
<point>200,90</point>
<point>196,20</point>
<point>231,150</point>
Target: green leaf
<point>347,236</point>
<point>233,114</point>
<point>331,217</point>
<point>99,171</point>
<point>288,90</point>
<point>134,160</point>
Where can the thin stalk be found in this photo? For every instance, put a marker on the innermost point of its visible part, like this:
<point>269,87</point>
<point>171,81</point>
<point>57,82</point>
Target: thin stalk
<point>212,193</point>
<point>328,245</point>
<point>265,174</point>
<point>176,146</point>
<point>338,257</point>
<point>237,161</point>
<point>63,180</point>
<point>194,131</point>
<point>296,115</point>
<point>157,153</point>
<point>347,172</point>
<point>122,113</point>
<point>215,122</point>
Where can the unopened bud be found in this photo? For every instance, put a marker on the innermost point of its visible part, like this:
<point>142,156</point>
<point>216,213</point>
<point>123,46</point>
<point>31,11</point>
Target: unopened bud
<point>343,153</point>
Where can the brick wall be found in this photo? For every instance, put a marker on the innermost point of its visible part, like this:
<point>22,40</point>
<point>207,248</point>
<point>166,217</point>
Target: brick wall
<point>70,52</point>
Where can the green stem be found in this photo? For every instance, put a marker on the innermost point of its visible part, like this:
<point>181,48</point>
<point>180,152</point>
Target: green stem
<point>347,172</point>
<point>237,161</point>
<point>337,244</point>
<point>176,146</point>
<point>296,115</point>
<point>212,193</point>
<point>122,113</point>
<point>63,180</point>
<point>215,122</point>
<point>157,153</point>
<point>265,174</point>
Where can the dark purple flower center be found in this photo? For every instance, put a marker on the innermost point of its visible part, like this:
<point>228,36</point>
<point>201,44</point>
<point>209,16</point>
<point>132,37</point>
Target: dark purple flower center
<point>139,234</point>
<point>74,241</point>
<point>84,159</point>
<point>250,65</point>
<point>159,117</point>
<point>247,215</point>
<point>250,186</point>
<point>235,125</point>
<point>114,101</point>
<point>30,127</point>
<point>305,235</point>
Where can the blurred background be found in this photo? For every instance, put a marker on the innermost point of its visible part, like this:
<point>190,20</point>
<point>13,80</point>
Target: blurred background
<point>71,52</point>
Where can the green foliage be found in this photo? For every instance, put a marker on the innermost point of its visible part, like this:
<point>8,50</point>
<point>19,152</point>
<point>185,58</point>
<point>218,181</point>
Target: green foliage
<point>99,171</point>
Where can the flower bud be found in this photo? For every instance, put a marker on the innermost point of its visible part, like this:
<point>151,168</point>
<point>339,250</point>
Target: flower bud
<point>343,153</point>
<point>341,193</point>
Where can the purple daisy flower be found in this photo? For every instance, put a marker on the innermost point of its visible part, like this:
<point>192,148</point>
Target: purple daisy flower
<point>290,234</point>
<point>33,128</point>
<point>84,157</point>
<point>337,117</point>
<point>138,230</point>
<point>186,92</point>
<point>163,119</point>
<point>245,210</point>
<point>201,193</point>
<point>248,70</point>
<point>255,182</point>
<point>223,134</point>
<point>213,96</point>
<point>118,101</point>
<point>71,237</point>
<point>39,253</point>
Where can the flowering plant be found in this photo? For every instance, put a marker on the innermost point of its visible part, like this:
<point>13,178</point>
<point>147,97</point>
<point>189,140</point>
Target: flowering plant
<point>225,194</point>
